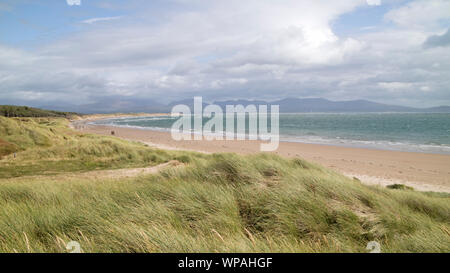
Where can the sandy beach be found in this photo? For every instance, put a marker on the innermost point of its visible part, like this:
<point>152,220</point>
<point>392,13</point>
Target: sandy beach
<point>424,172</point>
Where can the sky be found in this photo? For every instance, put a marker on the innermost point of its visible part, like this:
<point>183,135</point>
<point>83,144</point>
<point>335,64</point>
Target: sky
<point>86,51</point>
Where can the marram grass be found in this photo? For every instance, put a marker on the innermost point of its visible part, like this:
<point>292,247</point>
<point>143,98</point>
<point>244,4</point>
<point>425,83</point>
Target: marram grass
<point>46,146</point>
<point>215,203</point>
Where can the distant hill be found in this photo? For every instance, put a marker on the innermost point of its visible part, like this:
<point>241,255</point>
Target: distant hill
<point>319,105</point>
<point>288,105</point>
<point>25,111</point>
<point>188,102</point>
<point>439,109</point>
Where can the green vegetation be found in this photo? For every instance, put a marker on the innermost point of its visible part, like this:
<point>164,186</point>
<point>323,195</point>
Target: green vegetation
<point>25,111</point>
<point>214,203</point>
<point>399,187</point>
<point>47,146</point>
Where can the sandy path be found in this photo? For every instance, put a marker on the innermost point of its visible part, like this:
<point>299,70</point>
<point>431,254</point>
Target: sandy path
<point>427,172</point>
<point>123,173</point>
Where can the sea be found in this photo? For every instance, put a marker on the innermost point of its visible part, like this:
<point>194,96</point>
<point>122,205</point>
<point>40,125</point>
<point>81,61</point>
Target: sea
<point>411,132</point>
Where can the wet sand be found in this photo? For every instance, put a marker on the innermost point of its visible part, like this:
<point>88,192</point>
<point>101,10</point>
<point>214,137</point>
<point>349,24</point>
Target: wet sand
<point>425,172</point>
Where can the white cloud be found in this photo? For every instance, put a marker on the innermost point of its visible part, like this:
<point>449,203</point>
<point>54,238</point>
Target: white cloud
<point>73,2</point>
<point>394,86</point>
<point>425,88</point>
<point>368,28</point>
<point>420,14</point>
<point>101,19</point>
<point>373,2</point>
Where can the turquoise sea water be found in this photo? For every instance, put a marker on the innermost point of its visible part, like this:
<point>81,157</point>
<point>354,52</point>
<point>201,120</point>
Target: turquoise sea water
<point>419,132</point>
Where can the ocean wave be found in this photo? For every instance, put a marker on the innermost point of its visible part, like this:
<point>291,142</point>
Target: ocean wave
<point>373,144</point>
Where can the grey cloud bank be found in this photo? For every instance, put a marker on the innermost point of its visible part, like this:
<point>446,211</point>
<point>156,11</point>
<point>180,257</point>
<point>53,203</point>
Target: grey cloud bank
<point>438,40</point>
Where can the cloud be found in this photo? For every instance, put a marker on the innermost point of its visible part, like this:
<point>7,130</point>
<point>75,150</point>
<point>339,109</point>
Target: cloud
<point>368,28</point>
<point>420,14</point>
<point>373,2</point>
<point>73,2</point>
<point>438,40</point>
<point>393,86</point>
<point>425,88</point>
<point>101,19</point>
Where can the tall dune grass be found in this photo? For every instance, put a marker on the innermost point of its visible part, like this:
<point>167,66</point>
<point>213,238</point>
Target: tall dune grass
<point>215,203</point>
<point>47,146</point>
<point>221,203</point>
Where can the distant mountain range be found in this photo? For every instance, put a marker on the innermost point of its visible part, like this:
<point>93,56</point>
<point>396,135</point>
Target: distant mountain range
<point>317,105</point>
<point>288,105</point>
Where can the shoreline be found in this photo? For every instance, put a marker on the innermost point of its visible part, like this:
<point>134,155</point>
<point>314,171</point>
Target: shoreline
<point>422,171</point>
<point>284,139</point>
<point>382,145</point>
